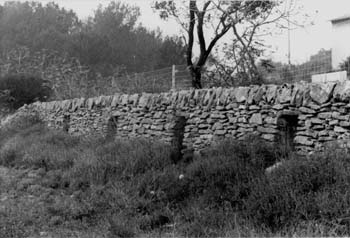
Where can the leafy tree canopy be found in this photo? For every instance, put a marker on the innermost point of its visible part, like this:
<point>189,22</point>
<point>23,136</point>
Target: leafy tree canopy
<point>209,21</point>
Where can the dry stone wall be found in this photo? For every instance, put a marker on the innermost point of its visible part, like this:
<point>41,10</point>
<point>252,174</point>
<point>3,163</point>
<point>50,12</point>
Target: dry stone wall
<point>306,116</point>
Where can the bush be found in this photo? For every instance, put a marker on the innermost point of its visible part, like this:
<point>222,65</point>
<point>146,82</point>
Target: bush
<point>117,176</point>
<point>23,89</point>
<point>120,160</point>
<point>200,220</point>
<point>52,149</point>
<point>12,134</point>
<point>209,191</point>
<point>18,122</point>
<point>301,190</point>
<point>227,171</point>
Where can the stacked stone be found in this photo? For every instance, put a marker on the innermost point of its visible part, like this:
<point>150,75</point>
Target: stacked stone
<point>213,114</point>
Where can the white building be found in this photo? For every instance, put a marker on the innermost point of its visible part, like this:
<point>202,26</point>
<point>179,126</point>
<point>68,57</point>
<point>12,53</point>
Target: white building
<point>341,40</point>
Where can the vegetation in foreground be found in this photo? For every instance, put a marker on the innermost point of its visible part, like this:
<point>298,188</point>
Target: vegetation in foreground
<point>57,185</point>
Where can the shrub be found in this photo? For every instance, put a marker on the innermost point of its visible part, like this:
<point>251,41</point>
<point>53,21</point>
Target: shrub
<point>11,151</point>
<point>210,190</point>
<point>227,171</point>
<point>200,220</point>
<point>119,226</point>
<point>300,190</point>
<point>24,89</point>
<point>52,149</point>
<point>12,133</point>
<point>123,171</point>
<point>17,123</point>
<point>120,160</point>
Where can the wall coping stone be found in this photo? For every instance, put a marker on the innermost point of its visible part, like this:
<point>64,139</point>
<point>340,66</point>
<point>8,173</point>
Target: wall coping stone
<point>308,95</point>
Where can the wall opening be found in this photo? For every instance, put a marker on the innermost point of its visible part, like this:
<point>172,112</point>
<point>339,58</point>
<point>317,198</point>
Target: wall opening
<point>287,125</point>
<point>66,121</point>
<point>112,127</point>
<point>178,137</point>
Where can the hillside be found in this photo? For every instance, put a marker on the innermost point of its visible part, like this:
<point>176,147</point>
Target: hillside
<point>56,185</point>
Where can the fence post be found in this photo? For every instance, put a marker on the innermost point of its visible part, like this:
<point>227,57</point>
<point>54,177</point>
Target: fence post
<point>173,72</point>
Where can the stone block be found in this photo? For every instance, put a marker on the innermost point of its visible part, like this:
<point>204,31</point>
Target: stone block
<point>124,99</point>
<point>307,110</point>
<point>278,107</point>
<point>284,94</point>
<point>208,95</point>
<point>335,115</point>
<point>90,103</point>
<point>133,99</point>
<point>218,126</point>
<point>224,97</point>
<point>339,129</point>
<point>342,91</point>
<point>344,124</point>
<point>251,95</point>
<point>321,93</point>
<point>318,127</point>
<point>333,122</point>
<point>217,116</point>
<point>297,96</point>
<point>258,96</point>
<point>271,120</point>
<point>307,133</point>
<point>254,108</point>
<point>157,127</point>
<point>316,121</point>
<point>242,120</point>
<point>158,114</point>
<point>303,140</point>
<point>268,137</point>
<point>204,131</point>
<point>325,115</point>
<point>267,130</point>
<point>256,119</point>
<point>220,132</point>
<point>241,129</point>
<point>241,94</point>
<point>271,92</point>
<point>144,99</point>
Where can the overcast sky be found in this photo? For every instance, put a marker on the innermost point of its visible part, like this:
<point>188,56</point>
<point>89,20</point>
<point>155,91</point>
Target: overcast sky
<point>304,42</point>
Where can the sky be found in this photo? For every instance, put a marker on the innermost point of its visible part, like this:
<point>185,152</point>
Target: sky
<point>304,41</point>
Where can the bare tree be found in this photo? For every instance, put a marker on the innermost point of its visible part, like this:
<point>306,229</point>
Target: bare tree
<point>216,18</point>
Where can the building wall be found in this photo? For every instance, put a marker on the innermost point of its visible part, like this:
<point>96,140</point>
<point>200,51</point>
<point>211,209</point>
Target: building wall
<point>319,114</point>
<point>341,45</point>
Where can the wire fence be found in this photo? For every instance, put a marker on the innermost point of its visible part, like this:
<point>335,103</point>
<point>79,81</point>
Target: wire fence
<point>176,77</point>
<point>316,65</point>
<point>69,79</point>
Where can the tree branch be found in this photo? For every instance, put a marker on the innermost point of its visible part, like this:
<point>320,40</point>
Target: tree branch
<point>192,22</point>
<point>202,60</point>
<point>200,33</point>
<point>245,47</point>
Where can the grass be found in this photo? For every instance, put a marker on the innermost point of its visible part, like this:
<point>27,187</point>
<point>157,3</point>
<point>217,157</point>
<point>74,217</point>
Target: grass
<point>53,183</point>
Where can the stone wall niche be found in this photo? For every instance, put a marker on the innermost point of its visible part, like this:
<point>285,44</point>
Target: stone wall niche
<point>112,125</point>
<point>66,121</point>
<point>287,125</point>
<point>178,136</point>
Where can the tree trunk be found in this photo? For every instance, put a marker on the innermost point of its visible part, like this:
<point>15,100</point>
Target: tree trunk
<point>196,76</point>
